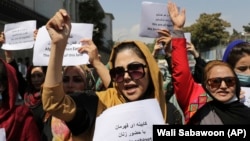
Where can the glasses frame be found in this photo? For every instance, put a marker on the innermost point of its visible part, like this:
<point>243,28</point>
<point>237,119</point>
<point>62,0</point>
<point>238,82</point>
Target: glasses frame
<point>212,84</point>
<point>113,71</point>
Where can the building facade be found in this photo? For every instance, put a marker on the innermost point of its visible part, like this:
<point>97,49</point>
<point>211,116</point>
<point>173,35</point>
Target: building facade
<point>41,10</point>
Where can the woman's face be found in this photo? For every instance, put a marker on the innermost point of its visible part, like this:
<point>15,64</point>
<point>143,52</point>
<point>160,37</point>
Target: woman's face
<point>243,65</point>
<point>37,77</point>
<point>221,83</point>
<point>132,89</point>
<point>73,80</point>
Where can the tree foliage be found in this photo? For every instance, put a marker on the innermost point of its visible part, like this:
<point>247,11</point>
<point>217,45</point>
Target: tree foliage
<point>247,28</point>
<point>235,35</point>
<point>209,31</point>
<point>91,12</point>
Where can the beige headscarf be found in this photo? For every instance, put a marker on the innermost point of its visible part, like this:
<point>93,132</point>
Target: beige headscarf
<point>113,96</point>
<point>86,74</point>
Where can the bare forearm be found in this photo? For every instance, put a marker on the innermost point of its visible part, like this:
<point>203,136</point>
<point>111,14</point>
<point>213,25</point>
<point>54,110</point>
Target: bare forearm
<point>8,56</point>
<point>103,73</point>
<point>54,70</point>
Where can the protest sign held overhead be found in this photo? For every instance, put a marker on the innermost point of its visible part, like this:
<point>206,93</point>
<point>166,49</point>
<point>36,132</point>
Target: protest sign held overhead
<point>20,35</point>
<point>71,56</point>
<point>154,16</point>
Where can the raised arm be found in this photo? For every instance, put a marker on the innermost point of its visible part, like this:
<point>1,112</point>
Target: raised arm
<point>78,109</point>
<point>199,65</point>
<point>22,84</point>
<point>90,48</point>
<point>178,18</point>
<point>54,98</point>
<point>186,90</point>
<point>59,28</point>
<point>7,53</point>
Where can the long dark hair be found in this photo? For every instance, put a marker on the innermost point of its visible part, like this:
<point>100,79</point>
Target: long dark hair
<point>30,87</point>
<point>238,51</point>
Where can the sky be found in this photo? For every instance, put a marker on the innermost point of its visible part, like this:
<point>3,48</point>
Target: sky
<point>127,14</point>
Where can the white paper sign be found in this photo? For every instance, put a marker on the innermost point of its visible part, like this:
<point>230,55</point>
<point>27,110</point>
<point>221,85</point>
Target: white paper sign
<point>19,36</point>
<point>71,57</point>
<point>2,134</point>
<point>246,99</point>
<point>154,16</point>
<point>132,121</point>
<point>188,37</point>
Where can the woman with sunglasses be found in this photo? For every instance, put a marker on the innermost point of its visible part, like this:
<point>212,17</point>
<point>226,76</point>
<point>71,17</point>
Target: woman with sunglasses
<point>221,83</point>
<point>217,100</point>
<point>134,72</point>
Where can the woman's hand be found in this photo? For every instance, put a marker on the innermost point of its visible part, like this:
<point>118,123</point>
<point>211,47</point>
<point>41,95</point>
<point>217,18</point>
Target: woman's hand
<point>163,42</point>
<point>90,48</point>
<point>178,18</point>
<point>59,27</point>
<point>192,50</point>
<point>2,38</point>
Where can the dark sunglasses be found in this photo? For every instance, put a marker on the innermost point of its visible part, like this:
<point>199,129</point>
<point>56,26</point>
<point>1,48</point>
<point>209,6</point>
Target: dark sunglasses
<point>216,82</point>
<point>135,70</point>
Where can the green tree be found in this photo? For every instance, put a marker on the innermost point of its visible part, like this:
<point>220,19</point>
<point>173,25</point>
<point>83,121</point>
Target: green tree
<point>235,35</point>
<point>91,12</point>
<point>209,31</point>
<point>247,28</point>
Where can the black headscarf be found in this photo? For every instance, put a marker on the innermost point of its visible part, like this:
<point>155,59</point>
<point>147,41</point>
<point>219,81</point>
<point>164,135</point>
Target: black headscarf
<point>230,113</point>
